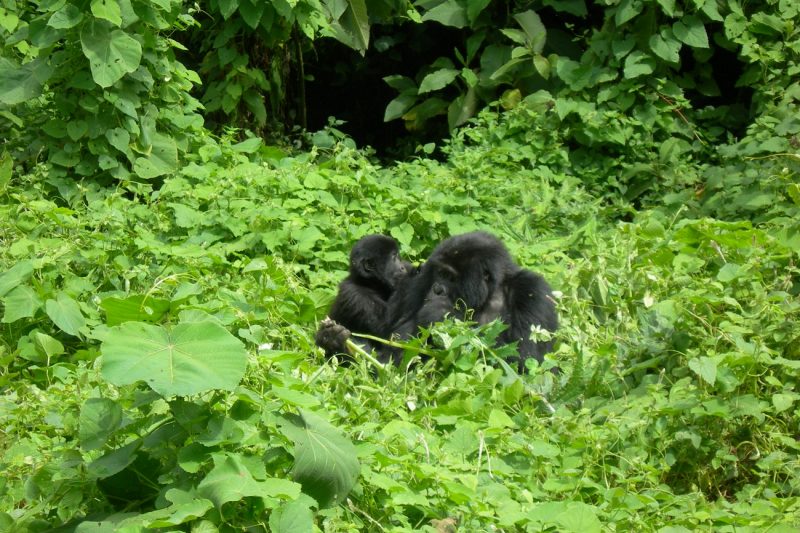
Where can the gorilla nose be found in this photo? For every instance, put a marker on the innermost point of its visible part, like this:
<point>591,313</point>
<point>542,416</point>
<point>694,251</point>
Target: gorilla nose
<point>438,290</point>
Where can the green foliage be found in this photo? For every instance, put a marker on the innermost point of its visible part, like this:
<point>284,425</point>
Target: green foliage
<point>252,53</point>
<point>99,91</point>
<point>157,365</point>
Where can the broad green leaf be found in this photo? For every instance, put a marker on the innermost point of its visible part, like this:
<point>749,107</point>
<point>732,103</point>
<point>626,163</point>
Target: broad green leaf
<point>507,67</point>
<point>189,359</point>
<point>47,345</point>
<point>137,307</point>
<point>15,276</point>
<point>542,66</point>
<point>534,29</point>
<point>306,238</point>
<point>171,516</point>
<point>111,53</point>
<point>325,462</point>
<point>99,419</point>
<point>518,36</point>
<point>66,314</point>
<point>711,10</point>
<point>668,6</point>
<point>691,31</point>
<point>292,517</point>
<point>65,18</point>
<point>730,271</point>
<point>295,397</point>
<point>403,233</point>
<point>574,7</point>
<point>540,448</point>
<point>77,129</point>
<point>108,10</point>
<point>638,64</point>
<point>401,83</point>
<point>499,419</point>
<point>510,98</point>
<point>766,24</point>
<point>251,12</point>
<point>119,139</point>
<point>398,107</point>
<point>106,162</point>
<point>351,27</point>
<point>255,103</point>
<point>227,8</point>
<point>705,367</point>
<point>248,146</point>
<point>115,461</point>
<point>475,8</point>
<point>20,84</point>
<point>579,518</point>
<point>163,158</point>
<point>449,13</point>
<point>6,169</point>
<point>231,481</point>
<point>666,46</point>
<point>782,402</point>
<point>627,10</point>
<point>574,74</point>
<point>8,20</point>
<point>20,302</point>
<point>437,80</point>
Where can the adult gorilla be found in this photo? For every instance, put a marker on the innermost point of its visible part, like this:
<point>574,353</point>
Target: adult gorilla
<point>475,272</point>
<point>361,303</point>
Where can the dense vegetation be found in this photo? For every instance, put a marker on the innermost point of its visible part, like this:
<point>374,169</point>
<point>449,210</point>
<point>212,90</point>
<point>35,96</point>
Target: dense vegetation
<point>163,268</point>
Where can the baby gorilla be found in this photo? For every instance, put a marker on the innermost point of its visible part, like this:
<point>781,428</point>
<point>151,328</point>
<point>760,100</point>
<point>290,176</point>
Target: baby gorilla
<point>475,272</point>
<point>376,270</point>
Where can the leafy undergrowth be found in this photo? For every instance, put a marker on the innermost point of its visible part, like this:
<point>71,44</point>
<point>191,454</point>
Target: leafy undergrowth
<point>159,368</point>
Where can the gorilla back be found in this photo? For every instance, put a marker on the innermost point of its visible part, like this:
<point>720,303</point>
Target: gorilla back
<point>474,271</point>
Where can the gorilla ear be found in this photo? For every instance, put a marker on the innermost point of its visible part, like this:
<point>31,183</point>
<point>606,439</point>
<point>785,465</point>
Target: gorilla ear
<point>368,265</point>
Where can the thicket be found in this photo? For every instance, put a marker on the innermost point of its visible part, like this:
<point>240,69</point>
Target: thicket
<point>163,268</point>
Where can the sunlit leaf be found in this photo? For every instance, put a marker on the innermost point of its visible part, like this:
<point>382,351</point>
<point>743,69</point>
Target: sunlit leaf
<point>325,462</point>
<point>66,314</point>
<point>111,53</point>
<point>231,481</point>
<point>188,359</point>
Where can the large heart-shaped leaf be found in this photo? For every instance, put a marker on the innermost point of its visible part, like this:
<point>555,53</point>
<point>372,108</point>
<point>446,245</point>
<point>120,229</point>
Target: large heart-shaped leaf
<point>19,84</point>
<point>325,461</point>
<point>189,359</point>
<point>163,158</point>
<point>66,314</point>
<point>111,53</point>
<point>231,481</point>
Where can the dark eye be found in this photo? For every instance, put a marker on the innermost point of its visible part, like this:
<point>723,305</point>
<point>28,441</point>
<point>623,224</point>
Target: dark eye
<point>487,276</point>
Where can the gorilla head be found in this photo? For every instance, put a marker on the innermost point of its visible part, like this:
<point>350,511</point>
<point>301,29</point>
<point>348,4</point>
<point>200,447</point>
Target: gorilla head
<point>361,304</point>
<point>375,263</point>
<point>465,273</point>
<point>475,273</point>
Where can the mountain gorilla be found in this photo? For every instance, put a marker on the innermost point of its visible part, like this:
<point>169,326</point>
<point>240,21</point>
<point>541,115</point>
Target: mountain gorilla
<point>361,304</point>
<point>475,272</point>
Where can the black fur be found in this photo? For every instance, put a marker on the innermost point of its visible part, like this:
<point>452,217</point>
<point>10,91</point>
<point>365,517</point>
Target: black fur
<point>361,304</point>
<point>475,272</point>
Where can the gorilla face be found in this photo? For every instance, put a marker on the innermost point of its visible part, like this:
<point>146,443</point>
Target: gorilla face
<point>374,261</point>
<point>462,277</point>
